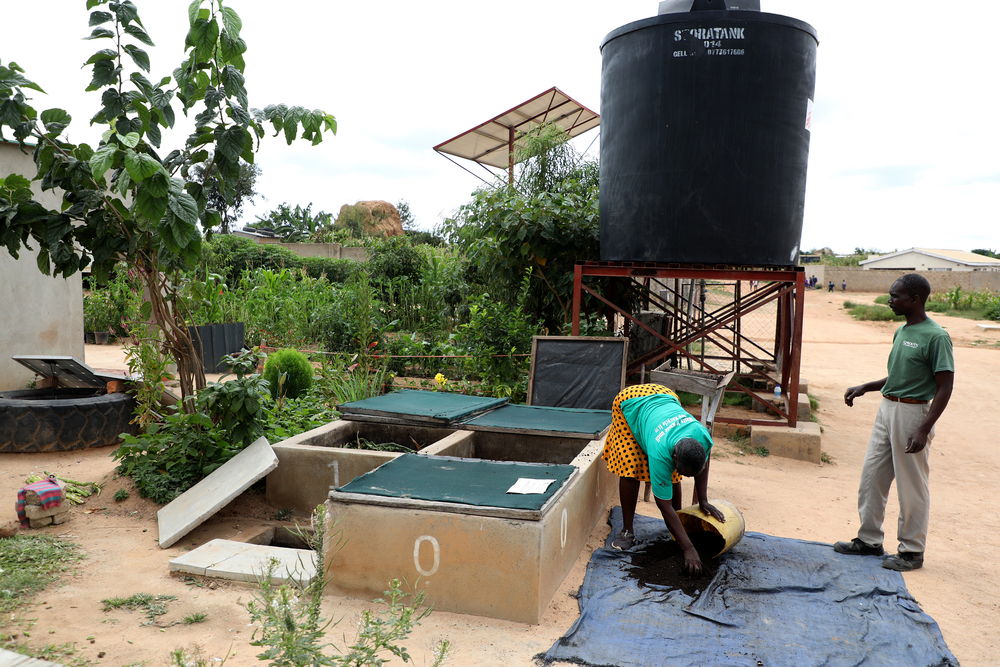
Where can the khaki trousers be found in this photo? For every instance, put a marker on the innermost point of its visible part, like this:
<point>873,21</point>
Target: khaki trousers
<point>887,460</point>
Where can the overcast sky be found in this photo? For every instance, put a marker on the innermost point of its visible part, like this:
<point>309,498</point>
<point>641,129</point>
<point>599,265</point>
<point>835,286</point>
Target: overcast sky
<point>904,136</point>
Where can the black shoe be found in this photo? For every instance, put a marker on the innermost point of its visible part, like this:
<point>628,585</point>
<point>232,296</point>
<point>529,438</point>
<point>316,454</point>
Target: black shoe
<point>904,561</point>
<point>624,541</point>
<point>858,548</point>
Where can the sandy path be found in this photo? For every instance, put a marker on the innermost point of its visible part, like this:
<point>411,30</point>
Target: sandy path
<point>778,496</point>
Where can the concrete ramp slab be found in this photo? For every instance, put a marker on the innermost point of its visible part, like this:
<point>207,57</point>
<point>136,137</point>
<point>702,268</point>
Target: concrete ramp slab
<point>211,494</point>
<point>239,561</point>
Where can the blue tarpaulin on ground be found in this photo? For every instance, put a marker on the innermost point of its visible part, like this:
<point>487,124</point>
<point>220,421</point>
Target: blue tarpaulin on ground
<point>773,601</point>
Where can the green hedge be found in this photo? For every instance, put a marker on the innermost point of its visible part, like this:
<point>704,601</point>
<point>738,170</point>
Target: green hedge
<point>230,256</point>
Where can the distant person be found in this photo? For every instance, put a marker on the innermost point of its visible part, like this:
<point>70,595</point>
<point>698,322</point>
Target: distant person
<point>843,286</point>
<point>830,286</point>
<point>914,394</point>
<point>654,439</point>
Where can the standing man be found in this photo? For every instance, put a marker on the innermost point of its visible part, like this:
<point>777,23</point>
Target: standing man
<point>654,439</point>
<point>914,394</point>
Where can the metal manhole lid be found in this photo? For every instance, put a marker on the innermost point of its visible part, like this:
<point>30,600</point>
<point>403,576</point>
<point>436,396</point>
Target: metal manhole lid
<point>68,371</point>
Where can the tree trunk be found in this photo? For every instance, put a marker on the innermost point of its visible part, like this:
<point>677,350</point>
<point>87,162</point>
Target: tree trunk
<point>169,317</point>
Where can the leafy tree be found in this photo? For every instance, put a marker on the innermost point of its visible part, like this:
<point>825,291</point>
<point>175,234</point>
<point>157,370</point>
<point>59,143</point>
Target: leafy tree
<point>986,253</point>
<point>227,197</point>
<point>294,225</point>
<point>540,226</point>
<point>123,200</point>
<point>405,215</point>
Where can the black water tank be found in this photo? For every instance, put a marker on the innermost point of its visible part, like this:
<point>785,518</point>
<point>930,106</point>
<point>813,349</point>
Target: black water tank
<point>704,138</point>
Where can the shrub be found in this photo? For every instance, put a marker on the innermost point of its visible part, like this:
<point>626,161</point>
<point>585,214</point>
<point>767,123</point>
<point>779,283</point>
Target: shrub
<point>171,457</point>
<point>872,313</point>
<point>288,373</point>
<point>335,270</point>
<point>494,333</point>
<point>354,320</point>
<point>394,257</point>
<point>98,311</point>
<point>230,256</point>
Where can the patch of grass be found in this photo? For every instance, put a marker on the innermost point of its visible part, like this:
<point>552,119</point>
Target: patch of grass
<point>292,631</point>
<point>65,654</point>
<point>741,439</point>
<point>120,495</point>
<point>737,398</point>
<point>970,307</point>
<point>687,398</point>
<point>198,617</point>
<point>180,657</point>
<point>872,313</point>
<point>729,398</point>
<point>29,563</point>
<point>825,458</point>
<point>152,605</point>
<point>741,436</point>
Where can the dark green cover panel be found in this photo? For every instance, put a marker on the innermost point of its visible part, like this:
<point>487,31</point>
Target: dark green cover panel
<point>541,418</point>
<point>454,480</point>
<point>431,404</point>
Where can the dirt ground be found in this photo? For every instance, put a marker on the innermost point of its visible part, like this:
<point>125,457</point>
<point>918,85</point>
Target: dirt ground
<point>778,496</point>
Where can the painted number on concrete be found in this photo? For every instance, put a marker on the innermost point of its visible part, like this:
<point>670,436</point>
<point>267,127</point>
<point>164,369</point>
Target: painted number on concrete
<point>416,555</point>
<point>335,465</point>
<point>563,521</point>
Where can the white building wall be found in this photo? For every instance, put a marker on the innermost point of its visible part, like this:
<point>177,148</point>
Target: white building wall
<point>917,262</point>
<point>38,314</point>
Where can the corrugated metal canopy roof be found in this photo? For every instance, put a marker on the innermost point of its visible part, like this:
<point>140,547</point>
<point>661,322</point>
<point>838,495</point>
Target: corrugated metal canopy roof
<point>489,142</point>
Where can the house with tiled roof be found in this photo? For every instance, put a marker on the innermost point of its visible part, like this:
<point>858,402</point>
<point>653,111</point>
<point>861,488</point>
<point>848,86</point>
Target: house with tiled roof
<point>931,259</point>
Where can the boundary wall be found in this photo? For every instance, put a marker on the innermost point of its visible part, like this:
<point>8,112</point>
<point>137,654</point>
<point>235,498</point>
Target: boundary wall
<point>879,280</point>
<point>328,250</point>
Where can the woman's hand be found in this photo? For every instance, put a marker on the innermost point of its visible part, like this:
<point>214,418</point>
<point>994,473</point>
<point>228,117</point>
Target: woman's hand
<point>710,509</point>
<point>692,562</point>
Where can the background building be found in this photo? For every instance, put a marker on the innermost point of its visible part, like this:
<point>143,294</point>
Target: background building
<point>38,314</point>
<point>928,259</point>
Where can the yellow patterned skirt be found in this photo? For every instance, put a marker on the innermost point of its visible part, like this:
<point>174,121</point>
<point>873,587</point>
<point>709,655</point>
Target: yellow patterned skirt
<point>623,454</point>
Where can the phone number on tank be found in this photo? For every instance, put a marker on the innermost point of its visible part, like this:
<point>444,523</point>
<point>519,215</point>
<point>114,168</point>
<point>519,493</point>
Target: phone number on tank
<point>711,52</point>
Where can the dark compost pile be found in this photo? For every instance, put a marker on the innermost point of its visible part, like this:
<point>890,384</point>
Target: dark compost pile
<point>661,564</point>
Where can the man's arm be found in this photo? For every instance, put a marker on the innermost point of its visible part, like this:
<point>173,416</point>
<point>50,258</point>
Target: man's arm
<point>861,389</point>
<point>945,381</point>
<point>692,562</point>
<point>701,487</point>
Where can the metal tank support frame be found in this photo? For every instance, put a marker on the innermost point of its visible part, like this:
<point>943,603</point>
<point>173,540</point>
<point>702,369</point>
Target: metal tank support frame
<point>721,327</point>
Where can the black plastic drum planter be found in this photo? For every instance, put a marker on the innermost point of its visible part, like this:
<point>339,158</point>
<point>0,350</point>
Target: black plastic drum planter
<point>50,420</point>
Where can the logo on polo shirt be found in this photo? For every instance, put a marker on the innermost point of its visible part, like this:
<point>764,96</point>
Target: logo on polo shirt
<point>910,343</point>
